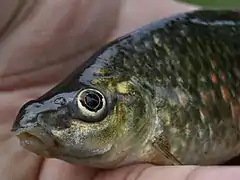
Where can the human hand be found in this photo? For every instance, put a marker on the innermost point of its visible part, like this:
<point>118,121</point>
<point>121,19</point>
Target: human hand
<point>49,40</point>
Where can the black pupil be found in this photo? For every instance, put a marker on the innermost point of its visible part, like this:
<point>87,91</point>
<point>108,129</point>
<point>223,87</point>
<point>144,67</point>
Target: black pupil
<point>92,101</point>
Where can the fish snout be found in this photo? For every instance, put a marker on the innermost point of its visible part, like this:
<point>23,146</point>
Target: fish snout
<point>31,134</point>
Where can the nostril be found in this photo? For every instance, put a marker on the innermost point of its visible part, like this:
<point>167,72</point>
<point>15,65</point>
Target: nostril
<point>60,100</point>
<point>37,105</point>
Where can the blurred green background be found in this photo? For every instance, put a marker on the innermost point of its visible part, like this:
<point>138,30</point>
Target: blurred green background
<point>215,3</point>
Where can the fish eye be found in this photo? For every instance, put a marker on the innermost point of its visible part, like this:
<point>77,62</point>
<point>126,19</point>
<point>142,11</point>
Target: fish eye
<point>91,104</point>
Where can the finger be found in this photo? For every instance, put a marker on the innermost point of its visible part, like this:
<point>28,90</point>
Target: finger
<point>145,172</point>
<point>54,37</point>
<point>6,15</point>
<point>15,162</point>
<point>55,169</point>
<point>191,173</point>
<point>12,12</point>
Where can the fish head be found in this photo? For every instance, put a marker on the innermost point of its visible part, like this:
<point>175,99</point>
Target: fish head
<point>95,123</point>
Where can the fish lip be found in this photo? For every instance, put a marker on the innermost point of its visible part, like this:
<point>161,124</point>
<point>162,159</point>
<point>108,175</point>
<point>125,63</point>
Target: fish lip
<point>38,133</point>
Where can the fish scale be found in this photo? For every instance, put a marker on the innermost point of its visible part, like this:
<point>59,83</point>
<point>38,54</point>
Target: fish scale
<point>172,92</point>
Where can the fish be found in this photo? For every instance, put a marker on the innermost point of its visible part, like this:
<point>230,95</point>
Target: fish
<point>167,93</point>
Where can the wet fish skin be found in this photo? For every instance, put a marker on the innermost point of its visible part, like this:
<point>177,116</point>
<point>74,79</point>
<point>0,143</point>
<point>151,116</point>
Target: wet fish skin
<point>171,91</point>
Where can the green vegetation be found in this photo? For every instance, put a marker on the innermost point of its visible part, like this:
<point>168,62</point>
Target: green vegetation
<point>215,3</point>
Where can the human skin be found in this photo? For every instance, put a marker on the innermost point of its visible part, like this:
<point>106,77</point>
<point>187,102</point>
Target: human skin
<point>49,42</point>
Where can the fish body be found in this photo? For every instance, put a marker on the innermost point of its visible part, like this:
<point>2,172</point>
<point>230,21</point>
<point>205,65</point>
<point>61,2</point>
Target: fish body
<point>167,93</point>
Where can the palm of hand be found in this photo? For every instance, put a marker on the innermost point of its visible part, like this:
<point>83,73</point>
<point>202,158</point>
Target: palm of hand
<point>42,48</point>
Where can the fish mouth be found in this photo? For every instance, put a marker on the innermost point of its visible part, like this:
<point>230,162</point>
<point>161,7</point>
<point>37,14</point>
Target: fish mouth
<point>37,141</point>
